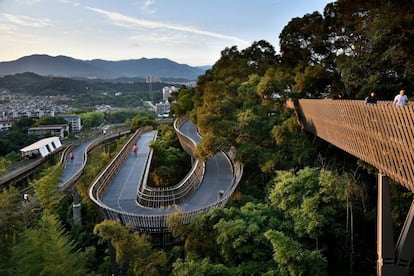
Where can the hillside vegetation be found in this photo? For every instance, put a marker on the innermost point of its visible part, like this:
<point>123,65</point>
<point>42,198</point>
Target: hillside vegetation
<point>303,207</point>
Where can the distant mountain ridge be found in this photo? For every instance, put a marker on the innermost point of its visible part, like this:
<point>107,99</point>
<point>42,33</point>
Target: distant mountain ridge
<point>63,66</point>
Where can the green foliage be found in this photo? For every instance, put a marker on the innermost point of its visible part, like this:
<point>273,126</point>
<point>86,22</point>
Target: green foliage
<point>352,48</point>
<point>46,189</point>
<point>141,121</point>
<point>240,235</point>
<point>7,160</point>
<point>13,156</point>
<point>308,200</point>
<point>10,224</point>
<point>46,250</point>
<point>133,249</point>
<point>49,120</point>
<point>182,101</point>
<point>17,138</point>
<point>120,116</point>
<point>92,119</point>
<point>169,163</point>
<point>293,259</point>
<point>199,236</point>
<point>190,267</point>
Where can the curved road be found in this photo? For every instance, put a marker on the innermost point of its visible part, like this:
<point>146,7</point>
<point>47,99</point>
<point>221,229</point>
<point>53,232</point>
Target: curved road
<point>121,195</point>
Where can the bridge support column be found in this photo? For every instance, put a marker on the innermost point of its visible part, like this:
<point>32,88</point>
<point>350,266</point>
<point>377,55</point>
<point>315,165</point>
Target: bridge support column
<point>76,209</point>
<point>388,263</point>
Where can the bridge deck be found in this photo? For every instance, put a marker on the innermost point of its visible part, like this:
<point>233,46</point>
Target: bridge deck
<point>381,135</point>
<point>121,195</point>
<point>72,166</point>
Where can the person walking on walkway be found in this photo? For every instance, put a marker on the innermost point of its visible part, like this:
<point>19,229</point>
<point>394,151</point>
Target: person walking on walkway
<point>401,99</point>
<point>371,98</point>
<point>135,149</point>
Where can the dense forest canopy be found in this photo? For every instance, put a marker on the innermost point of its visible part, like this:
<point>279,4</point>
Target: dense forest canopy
<point>303,207</point>
<point>352,48</point>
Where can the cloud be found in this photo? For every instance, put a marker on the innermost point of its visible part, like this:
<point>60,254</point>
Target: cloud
<point>132,22</point>
<point>26,21</point>
<point>29,2</point>
<point>147,7</point>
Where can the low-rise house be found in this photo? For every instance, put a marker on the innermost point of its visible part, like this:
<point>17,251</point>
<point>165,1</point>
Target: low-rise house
<point>50,130</point>
<point>6,124</point>
<point>42,147</point>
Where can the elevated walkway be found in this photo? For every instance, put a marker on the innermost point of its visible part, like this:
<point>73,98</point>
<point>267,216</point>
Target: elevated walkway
<point>381,135</point>
<point>117,199</point>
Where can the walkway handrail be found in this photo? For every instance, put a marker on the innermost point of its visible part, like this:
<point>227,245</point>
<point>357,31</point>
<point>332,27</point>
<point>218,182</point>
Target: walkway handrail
<point>163,197</point>
<point>152,223</point>
<point>382,135</point>
<point>104,179</point>
<point>21,173</point>
<point>70,183</point>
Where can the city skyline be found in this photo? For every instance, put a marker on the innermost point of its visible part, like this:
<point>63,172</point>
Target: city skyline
<point>190,32</point>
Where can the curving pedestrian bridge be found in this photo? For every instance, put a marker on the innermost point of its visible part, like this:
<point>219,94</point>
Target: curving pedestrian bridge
<point>121,192</point>
<point>383,136</point>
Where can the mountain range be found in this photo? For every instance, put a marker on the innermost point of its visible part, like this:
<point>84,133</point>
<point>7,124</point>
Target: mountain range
<point>63,66</point>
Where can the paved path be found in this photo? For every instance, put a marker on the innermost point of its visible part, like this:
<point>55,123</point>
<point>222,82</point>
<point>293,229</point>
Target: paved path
<point>73,166</point>
<point>121,195</point>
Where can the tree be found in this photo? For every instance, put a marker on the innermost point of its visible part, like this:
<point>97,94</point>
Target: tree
<point>141,121</point>
<point>182,101</point>
<point>293,259</point>
<point>46,250</point>
<point>198,236</point>
<point>49,120</point>
<point>92,119</point>
<point>294,148</point>
<point>306,53</point>
<point>241,240</point>
<point>120,116</point>
<point>190,267</point>
<point>46,188</point>
<point>132,248</point>
<point>170,163</point>
<point>10,224</point>
<point>306,201</point>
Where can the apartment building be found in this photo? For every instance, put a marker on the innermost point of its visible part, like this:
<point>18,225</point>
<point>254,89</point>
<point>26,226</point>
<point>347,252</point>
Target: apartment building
<point>74,122</point>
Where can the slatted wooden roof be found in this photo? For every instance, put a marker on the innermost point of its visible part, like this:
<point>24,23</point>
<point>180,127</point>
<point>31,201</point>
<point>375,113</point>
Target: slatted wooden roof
<point>381,135</point>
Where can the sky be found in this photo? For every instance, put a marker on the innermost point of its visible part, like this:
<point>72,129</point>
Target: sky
<point>192,32</point>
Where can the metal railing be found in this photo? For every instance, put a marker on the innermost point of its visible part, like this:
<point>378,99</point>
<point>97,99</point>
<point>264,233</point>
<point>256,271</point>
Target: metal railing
<point>150,223</point>
<point>68,185</point>
<point>163,197</point>
<point>24,169</point>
